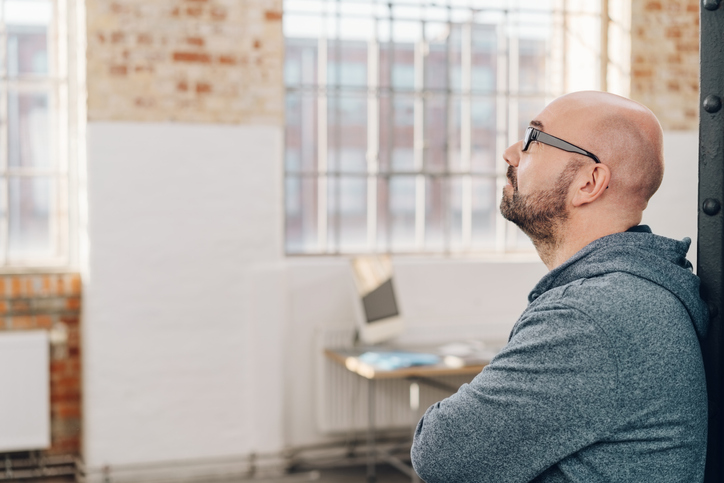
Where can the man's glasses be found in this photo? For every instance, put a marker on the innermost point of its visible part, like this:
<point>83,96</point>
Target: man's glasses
<point>533,134</point>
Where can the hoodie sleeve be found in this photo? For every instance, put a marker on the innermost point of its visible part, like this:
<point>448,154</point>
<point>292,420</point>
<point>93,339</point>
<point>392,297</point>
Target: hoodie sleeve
<point>550,392</point>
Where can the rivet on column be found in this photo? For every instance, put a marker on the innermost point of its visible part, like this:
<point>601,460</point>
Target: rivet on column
<point>711,4</point>
<point>711,206</point>
<point>712,104</point>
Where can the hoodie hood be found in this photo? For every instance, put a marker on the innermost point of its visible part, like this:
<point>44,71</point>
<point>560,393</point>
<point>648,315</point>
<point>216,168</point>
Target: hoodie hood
<point>641,253</point>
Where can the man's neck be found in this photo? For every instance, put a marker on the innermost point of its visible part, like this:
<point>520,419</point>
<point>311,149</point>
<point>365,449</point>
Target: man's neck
<point>568,242</point>
<point>555,256</point>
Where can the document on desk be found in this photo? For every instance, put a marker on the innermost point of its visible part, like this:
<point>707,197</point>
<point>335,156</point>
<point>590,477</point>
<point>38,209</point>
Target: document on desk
<point>470,353</point>
<point>389,361</point>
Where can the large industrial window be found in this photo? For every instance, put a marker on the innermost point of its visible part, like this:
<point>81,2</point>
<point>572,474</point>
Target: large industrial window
<point>34,133</point>
<point>398,112</point>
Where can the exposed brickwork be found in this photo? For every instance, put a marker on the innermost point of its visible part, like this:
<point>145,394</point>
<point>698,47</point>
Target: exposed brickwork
<point>185,60</point>
<point>665,60</point>
<point>51,302</point>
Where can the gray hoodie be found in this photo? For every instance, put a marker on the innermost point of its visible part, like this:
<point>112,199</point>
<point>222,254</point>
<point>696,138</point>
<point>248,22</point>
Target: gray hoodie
<point>602,378</point>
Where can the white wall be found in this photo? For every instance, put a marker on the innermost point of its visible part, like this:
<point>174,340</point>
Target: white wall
<point>178,213</point>
<point>199,333</point>
<point>672,211</point>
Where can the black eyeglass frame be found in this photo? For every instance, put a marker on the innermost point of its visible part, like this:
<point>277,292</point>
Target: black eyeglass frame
<point>533,134</point>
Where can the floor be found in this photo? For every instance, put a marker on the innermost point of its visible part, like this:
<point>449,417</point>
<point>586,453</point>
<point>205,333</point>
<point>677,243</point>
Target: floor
<point>385,474</point>
<point>356,474</point>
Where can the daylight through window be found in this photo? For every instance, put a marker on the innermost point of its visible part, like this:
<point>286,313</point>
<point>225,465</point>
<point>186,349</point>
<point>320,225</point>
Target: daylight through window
<point>398,112</point>
<point>34,133</point>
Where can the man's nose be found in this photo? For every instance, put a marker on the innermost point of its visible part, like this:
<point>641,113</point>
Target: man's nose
<point>512,154</point>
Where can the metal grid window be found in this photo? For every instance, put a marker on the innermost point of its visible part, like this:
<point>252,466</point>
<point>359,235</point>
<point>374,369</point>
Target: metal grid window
<point>34,133</point>
<point>398,112</point>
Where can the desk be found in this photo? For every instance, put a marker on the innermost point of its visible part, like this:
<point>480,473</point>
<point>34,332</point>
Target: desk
<point>349,358</point>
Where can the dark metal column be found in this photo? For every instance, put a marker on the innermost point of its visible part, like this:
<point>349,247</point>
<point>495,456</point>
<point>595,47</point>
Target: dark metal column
<point>711,222</point>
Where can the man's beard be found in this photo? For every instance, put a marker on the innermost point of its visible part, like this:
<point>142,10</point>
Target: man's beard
<point>540,215</point>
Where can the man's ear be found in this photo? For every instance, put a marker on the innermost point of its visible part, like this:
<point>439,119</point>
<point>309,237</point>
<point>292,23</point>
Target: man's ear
<point>591,186</point>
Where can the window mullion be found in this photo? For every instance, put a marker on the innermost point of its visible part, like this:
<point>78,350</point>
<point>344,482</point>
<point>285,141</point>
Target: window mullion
<point>419,141</point>
<point>322,145</point>
<point>450,130</point>
<point>373,137</point>
<point>466,132</point>
<point>62,134</point>
<point>4,154</point>
<point>390,124</point>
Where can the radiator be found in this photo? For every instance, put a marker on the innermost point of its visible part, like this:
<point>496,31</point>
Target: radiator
<point>24,391</point>
<point>342,397</point>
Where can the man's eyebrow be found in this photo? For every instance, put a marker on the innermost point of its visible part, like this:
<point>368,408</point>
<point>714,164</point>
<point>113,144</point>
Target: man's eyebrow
<point>536,124</point>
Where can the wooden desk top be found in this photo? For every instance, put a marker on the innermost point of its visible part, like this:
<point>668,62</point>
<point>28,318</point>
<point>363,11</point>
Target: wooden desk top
<point>349,358</point>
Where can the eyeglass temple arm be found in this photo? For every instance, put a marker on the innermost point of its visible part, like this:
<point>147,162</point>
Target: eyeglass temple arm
<point>565,146</point>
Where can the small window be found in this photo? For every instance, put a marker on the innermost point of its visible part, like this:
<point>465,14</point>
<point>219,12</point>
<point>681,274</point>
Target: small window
<point>34,138</point>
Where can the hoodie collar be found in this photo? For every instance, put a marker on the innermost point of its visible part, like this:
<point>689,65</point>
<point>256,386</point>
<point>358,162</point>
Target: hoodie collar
<point>638,252</point>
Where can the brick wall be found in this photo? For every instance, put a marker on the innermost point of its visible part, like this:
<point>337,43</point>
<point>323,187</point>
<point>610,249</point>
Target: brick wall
<point>51,302</point>
<point>185,60</point>
<point>665,60</point>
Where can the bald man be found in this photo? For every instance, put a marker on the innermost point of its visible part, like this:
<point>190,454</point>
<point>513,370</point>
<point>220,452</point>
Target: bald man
<point>602,378</point>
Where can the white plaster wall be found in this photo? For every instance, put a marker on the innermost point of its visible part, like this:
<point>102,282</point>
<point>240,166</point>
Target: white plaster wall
<point>178,213</point>
<point>672,211</point>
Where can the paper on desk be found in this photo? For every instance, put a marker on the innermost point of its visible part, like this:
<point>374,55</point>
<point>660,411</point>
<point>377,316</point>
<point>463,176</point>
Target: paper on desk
<point>468,353</point>
<point>389,361</point>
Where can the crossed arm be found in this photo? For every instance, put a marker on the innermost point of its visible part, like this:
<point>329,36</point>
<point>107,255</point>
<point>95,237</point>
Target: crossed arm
<point>549,393</point>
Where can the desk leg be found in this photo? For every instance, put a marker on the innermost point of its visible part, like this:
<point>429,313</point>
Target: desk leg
<point>371,445</point>
<point>415,409</point>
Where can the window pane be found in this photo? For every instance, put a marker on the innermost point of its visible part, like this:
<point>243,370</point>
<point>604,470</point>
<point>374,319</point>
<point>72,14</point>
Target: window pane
<point>397,129</point>
<point>436,214</point>
<point>485,203</point>
<point>27,42</point>
<point>436,133</point>
<point>406,32</point>
<point>455,213</point>
<point>402,212</point>
<point>436,62</point>
<point>403,67</point>
<point>484,59</point>
<point>403,116</point>
<point>347,133</point>
<point>385,60</point>
<point>348,213</point>
<point>532,73</point>
<point>301,132</point>
<point>30,222</point>
<point>483,135</point>
<point>301,214</point>
<point>28,130</point>
<point>300,62</point>
<point>454,133</point>
<point>314,6</point>
<point>455,62</point>
<point>357,27</point>
<point>347,63</point>
<point>303,26</point>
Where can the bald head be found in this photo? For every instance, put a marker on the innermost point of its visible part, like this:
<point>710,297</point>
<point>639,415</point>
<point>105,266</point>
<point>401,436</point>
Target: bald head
<point>625,135</point>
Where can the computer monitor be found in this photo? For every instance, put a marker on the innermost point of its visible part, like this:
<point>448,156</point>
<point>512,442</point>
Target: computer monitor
<point>377,311</point>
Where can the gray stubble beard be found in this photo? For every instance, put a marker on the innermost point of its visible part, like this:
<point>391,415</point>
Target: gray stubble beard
<point>540,215</point>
